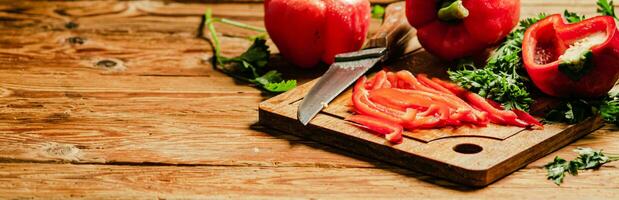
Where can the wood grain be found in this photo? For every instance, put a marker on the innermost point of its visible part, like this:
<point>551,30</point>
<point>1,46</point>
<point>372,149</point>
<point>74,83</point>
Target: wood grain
<point>163,104</point>
<point>60,181</point>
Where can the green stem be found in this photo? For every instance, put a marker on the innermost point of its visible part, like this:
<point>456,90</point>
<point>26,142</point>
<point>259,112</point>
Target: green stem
<point>241,25</point>
<point>453,11</point>
<point>211,28</point>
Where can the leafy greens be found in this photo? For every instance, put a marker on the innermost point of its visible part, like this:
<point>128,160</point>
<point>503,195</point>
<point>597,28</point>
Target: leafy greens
<point>587,159</point>
<point>250,65</point>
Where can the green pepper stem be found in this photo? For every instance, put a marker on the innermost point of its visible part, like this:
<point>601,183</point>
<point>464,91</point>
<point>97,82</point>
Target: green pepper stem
<point>453,11</point>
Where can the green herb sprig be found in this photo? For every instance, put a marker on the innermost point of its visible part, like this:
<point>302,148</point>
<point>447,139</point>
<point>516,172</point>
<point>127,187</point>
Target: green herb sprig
<point>587,159</point>
<point>573,17</point>
<point>606,7</point>
<point>250,65</point>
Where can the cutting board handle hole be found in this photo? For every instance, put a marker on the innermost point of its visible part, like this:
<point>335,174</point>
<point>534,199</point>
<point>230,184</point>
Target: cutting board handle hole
<point>468,148</point>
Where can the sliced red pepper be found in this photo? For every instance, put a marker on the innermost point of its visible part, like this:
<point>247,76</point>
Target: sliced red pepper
<point>423,122</point>
<point>500,115</point>
<point>426,81</point>
<point>391,131</point>
<point>526,117</point>
<point>393,79</point>
<point>379,80</point>
<point>452,87</point>
<point>401,100</point>
<point>412,82</point>
<point>363,105</point>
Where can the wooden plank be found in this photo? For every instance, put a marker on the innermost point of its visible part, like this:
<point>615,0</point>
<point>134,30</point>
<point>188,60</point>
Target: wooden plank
<point>59,181</point>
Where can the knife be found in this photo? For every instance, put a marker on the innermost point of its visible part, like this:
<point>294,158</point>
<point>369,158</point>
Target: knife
<point>392,39</point>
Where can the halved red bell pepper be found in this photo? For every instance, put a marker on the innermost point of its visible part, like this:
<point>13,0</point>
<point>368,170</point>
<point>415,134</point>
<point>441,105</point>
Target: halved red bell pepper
<point>454,29</point>
<point>572,60</point>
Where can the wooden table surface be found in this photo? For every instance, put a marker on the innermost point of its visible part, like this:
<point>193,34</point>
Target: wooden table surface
<point>107,99</point>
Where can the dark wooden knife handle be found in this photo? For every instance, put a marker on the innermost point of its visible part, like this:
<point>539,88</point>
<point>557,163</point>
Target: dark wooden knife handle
<point>395,32</point>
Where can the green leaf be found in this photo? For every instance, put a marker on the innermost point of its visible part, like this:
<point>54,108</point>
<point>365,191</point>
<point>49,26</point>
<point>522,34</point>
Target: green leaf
<point>587,159</point>
<point>282,86</point>
<point>573,17</point>
<point>556,169</point>
<point>272,81</point>
<point>571,111</point>
<point>609,110</point>
<point>591,159</point>
<point>378,12</point>
<point>606,7</point>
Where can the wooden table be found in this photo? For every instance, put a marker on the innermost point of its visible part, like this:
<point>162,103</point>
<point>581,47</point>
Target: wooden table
<point>106,99</point>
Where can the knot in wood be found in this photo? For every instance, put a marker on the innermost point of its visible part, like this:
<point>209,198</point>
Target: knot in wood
<point>76,40</point>
<point>71,25</point>
<point>106,63</point>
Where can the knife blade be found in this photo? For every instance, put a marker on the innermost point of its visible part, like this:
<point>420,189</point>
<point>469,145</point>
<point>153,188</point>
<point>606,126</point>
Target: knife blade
<point>392,39</point>
<point>337,78</point>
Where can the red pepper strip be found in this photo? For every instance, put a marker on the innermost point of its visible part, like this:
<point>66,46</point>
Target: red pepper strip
<point>363,105</point>
<point>495,104</point>
<point>452,87</point>
<point>379,80</point>
<point>369,83</point>
<point>408,78</point>
<point>463,93</point>
<point>523,116</point>
<point>480,102</point>
<point>426,81</point>
<point>433,109</point>
<point>391,131</point>
<point>526,117</point>
<point>423,122</point>
<point>401,100</point>
<point>392,78</point>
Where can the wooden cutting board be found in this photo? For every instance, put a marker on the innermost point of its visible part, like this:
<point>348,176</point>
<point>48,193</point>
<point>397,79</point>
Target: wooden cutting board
<point>466,155</point>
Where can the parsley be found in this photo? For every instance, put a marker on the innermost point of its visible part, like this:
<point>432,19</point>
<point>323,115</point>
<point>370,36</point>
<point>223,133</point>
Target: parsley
<point>574,111</point>
<point>252,63</point>
<point>503,79</point>
<point>587,159</point>
<point>609,109</point>
<point>606,7</point>
<point>378,12</point>
<point>573,17</point>
<point>571,111</point>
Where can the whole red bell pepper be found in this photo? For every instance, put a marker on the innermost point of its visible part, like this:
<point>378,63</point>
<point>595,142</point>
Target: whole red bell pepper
<point>308,31</point>
<point>572,60</point>
<point>456,29</point>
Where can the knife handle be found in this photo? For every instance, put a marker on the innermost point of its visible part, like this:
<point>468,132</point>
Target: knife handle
<point>395,32</point>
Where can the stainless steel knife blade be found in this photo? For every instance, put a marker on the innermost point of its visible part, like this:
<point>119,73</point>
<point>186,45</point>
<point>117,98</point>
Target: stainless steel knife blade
<point>341,74</point>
